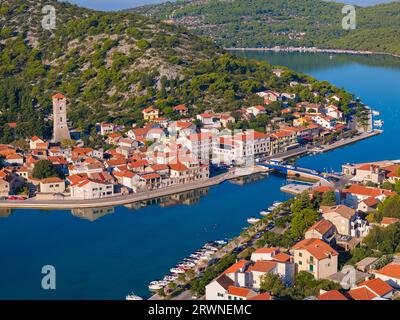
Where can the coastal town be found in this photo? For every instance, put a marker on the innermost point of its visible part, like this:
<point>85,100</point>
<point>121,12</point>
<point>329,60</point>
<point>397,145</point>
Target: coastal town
<point>305,242</point>
<point>338,245</point>
<point>166,153</point>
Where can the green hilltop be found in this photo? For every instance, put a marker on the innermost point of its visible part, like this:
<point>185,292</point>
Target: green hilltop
<point>298,23</point>
<point>112,65</point>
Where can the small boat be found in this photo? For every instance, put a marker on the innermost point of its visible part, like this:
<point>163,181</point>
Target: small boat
<point>277,204</point>
<point>157,285</point>
<point>221,242</point>
<point>376,113</point>
<point>265,213</point>
<point>378,123</point>
<point>177,270</point>
<point>253,220</point>
<point>170,278</point>
<point>132,296</point>
<point>271,208</point>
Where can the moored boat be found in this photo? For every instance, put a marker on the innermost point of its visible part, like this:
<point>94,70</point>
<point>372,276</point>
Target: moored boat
<point>132,296</point>
<point>253,220</point>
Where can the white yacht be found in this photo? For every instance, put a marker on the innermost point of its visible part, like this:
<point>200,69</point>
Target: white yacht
<point>253,220</point>
<point>177,270</point>
<point>265,213</point>
<point>157,285</point>
<point>132,296</point>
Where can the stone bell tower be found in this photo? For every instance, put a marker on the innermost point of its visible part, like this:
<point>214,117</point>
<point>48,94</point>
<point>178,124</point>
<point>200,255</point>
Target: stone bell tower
<point>60,126</point>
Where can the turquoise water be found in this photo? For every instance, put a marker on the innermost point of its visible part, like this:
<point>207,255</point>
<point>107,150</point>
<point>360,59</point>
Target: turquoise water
<point>375,79</point>
<point>125,250</point>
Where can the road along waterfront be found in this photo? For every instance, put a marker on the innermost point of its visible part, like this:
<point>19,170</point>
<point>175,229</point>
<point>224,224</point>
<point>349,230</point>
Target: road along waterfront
<point>124,250</point>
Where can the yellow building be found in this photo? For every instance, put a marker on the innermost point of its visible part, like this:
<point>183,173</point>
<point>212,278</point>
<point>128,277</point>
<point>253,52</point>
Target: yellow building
<point>150,113</point>
<point>52,185</point>
<point>283,141</point>
<point>316,257</point>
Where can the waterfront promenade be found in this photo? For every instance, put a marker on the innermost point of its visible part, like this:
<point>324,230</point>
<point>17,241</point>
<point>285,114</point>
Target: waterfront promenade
<point>34,203</point>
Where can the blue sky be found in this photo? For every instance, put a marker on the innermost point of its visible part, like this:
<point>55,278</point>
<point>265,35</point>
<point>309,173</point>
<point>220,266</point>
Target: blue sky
<point>124,4</point>
<point>112,4</point>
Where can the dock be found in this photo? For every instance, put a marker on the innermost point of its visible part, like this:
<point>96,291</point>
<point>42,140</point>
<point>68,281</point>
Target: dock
<point>295,188</point>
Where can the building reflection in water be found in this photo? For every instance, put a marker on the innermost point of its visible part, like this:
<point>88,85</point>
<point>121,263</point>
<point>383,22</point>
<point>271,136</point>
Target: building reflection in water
<point>5,212</point>
<point>92,214</point>
<point>248,179</point>
<point>186,198</point>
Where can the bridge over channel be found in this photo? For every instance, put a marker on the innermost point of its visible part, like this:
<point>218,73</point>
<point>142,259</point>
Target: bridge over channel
<point>300,172</point>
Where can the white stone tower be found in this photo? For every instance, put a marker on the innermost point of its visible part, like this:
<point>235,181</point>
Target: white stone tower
<point>60,126</point>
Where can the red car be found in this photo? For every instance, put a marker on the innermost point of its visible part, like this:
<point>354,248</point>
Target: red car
<point>12,198</point>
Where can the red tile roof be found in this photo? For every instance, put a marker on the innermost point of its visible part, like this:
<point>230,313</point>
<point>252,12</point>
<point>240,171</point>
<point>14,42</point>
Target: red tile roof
<point>332,295</point>
<point>235,267</point>
<point>178,167</point>
<point>361,293</point>
<point>262,296</point>
<point>263,266</point>
<point>322,226</point>
<point>52,180</point>
<point>180,107</point>
<point>378,286</point>
<point>367,191</point>
<point>389,220</point>
<point>58,96</point>
<point>151,176</point>
<point>316,247</point>
<point>266,250</point>
<point>391,270</point>
<point>282,257</point>
<point>237,291</point>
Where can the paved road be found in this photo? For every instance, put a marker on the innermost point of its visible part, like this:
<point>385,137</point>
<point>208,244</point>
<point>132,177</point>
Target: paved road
<point>117,200</point>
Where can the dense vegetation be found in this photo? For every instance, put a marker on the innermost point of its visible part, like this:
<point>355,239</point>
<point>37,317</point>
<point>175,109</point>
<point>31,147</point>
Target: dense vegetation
<point>302,213</point>
<point>304,286</point>
<point>112,65</point>
<point>269,23</point>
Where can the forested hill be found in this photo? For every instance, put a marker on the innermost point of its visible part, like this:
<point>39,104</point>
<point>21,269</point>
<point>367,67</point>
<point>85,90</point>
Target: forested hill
<point>269,23</point>
<point>112,65</point>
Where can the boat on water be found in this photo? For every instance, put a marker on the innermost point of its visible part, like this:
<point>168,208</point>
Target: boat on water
<point>132,296</point>
<point>277,204</point>
<point>265,213</point>
<point>203,254</point>
<point>376,113</point>
<point>253,220</point>
<point>170,278</point>
<point>378,123</point>
<point>157,285</point>
<point>177,270</point>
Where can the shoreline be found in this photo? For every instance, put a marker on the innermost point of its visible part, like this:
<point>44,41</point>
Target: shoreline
<point>315,50</point>
<point>148,195</point>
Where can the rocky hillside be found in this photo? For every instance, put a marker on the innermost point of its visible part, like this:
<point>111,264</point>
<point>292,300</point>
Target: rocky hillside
<point>269,23</point>
<point>111,66</point>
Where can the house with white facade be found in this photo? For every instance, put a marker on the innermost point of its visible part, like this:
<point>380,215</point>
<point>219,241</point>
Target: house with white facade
<point>88,189</point>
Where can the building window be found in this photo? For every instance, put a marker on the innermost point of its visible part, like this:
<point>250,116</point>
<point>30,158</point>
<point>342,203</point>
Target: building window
<point>311,268</point>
